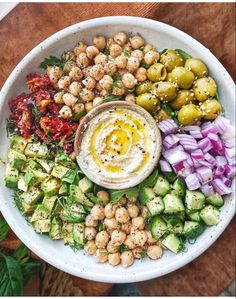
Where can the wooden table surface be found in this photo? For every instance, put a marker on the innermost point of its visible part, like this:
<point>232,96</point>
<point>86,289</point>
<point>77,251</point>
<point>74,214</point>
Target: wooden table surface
<point>211,24</point>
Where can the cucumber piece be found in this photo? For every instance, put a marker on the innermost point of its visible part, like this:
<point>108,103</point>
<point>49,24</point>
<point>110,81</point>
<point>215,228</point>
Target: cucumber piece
<point>36,150</point>
<point>179,187</point>
<point>173,204</point>
<point>177,228</point>
<point>11,177</point>
<point>215,199</point>
<point>162,186</point>
<point>146,194</point>
<point>193,229</point>
<point>85,185</point>
<point>78,196</point>
<point>155,206</point>
<point>50,186</point>
<point>210,215</point>
<point>40,213</point>
<point>173,243</point>
<point>158,227</point>
<point>17,160</point>
<point>55,229</point>
<point>194,216</point>
<point>49,202</point>
<point>78,233</point>
<point>42,226</point>
<point>18,143</point>
<point>47,165</point>
<point>194,200</point>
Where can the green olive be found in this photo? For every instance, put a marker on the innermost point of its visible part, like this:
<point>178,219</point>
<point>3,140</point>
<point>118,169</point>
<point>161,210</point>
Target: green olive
<point>210,109</point>
<point>204,88</point>
<point>171,59</point>
<point>148,102</point>
<point>143,87</point>
<point>196,66</point>
<point>165,91</point>
<point>184,97</point>
<point>189,114</point>
<point>183,77</point>
<point>156,72</point>
<point>161,115</point>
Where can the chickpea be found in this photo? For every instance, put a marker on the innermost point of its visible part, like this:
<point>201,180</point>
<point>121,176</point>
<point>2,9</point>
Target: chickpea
<point>100,42</point>
<point>129,81</point>
<point>118,237</point>
<point>129,242</point>
<point>101,255</point>
<point>197,66</point>
<point>136,41</point>
<point>90,247</point>
<point>154,252</point>
<point>122,215</point>
<point>101,59</point>
<point>97,101</point>
<point>138,54</point>
<point>114,259</point>
<point>97,72</point>
<point>79,111</point>
<point>76,73</point>
<point>89,83</point>
<point>58,97</point>
<point>87,95</point>
<point>133,210</point>
<point>138,223</point>
<point>141,74</point>
<point>106,82</point>
<point>104,196</point>
<point>82,60</point>
<point>80,48</point>
<point>150,239</point>
<point>130,98</point>
<point>139,237</point>
<point>147,48</point>
<point>68,66</point>
<point>204,88</point>
<point>64,82</point>
<point>132,64</point>
<point>127,258</point>
<point>118,91</point>
<point>171,59</point>
<point>148,102</point>
<point>69,55</point>
<point>110,41</point>
<point>110,68</point>
<point>69,99</point>
<point>88,106</point>
<point>156,72</point>
<point>97,212</point>
<point>90,233</point>
<point>65,112</point>
<point>110,210</point>
<point>90,222</point>
<point>111,223</point>
<point>112,248</point>
<point>86,71</point>
<point>137,252</point>
<point>210,109</point>
<point>121,61</point>
<point>121,38</point>
<point>151,57</point>
<point>182,76</point>
<point>189,114</point>
<point>184,97</point>
<point>54,73</point>
<point>115,50</point>
<point>102,239</point>
<point>91,52</point>
<point>126,227</point>
<point>75,88</point>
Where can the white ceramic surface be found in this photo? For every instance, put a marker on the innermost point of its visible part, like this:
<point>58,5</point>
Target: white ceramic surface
<point>54,252</point>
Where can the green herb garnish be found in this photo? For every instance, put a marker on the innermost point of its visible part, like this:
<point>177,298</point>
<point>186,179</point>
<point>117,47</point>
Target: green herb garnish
<point>10,127</point>
<point>106,52</point>
<point>52,60</point>
<point>151,180</point>
<point>127,53</point>
<point>183,54</point>
<point>123,248</point>
<point>111,98</point>
<point>115,195</point>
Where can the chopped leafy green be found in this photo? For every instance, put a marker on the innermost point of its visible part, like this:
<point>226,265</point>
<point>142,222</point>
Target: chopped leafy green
<point>117,84</point>
<point>163,51</point>
<point>116,195</point>
<point>111,98</point>
<point>4,229</point>
<point>100,226</point>
<point>127,53</point>
<point>52,60</point>
<point>143,254</point>
<point>94,199</point>
<point>106,52</point>
<point>10,127</point>
<point>183,54</point>
<point>123,248</point>
<point>36,112</point>
<point>151,180</point>
<point>117,76</point>
<point>144,65</point>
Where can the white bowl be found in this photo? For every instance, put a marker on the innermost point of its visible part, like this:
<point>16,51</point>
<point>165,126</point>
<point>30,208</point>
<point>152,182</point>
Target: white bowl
<point>54,252</point>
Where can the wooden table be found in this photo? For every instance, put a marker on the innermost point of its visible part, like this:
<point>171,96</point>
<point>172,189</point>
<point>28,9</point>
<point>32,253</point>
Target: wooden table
<point>211,24</point>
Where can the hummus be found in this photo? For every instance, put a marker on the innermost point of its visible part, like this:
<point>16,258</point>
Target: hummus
<point>118,147</point>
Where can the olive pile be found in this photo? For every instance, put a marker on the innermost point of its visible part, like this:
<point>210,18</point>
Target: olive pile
<point>183,84</point>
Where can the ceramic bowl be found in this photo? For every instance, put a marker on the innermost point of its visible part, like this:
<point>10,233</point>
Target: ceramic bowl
<point>54,252</point>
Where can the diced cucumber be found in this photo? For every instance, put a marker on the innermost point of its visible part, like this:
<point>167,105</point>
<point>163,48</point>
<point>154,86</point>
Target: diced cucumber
<point>173,243</point>
<point>77,195</point>
<point>49,202</point>
<point>21,184</point>
<point>194,216</point>
<point>64,189</point>
<point>11,177</point>
<point>177,228</point>
<point>193,229</point>
<point>40,213</point>
<point>42,226</point>
<point>55,230</point>
<point>47,165</point>
<point>18,143</point>
<point>59,171</point>
<point>146,194</point>
<point>50,186</point>
<point>179,187</point>
<point>215,199</point>
<point>162,186</point>
<point>16,159</point>
<point>158,227</point>
<point>194,200</point>
<point>155,206</point>
<point>78,233</point>
<point>210,215</point>
<point>173,219</point>
<point>173,204</point>
<point>85,185</point>
<point>63,159</point>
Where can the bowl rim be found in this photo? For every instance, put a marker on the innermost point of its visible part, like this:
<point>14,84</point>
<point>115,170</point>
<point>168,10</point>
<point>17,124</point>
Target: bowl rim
<point>45,255</point>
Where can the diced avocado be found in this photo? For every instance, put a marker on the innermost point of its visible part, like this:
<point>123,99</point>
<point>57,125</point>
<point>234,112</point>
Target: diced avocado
<point>67,233</point>
<point>145,212</point>
<point>210,215</point>
<point>59,171</point>
<point>146,194</point>
<point>155,206</point>
<point>49,202</point>
<point>36,150</point>
<point>32,195</point>
<point>215,199</point>
<point>73,213</point>
<point>194,200</point>
<point>55,230</point>
<point>16,159</point>
<point>193,229</point>
<point>77,195</point>
<point>64,189</point>
<point>173,204</point>
<point>29,178</point>
<point>69,176</point>
<point>173,243</point>
<point>40,213</point>
<point>57,209</point>
<point>11,177</point>
<point>85,185</point>
<point>78,233</point>
<point>179,187</point>
<point>50,186</point>
<point>39,175</point>
<point>21,184</point>
<point>18,143</point>
<point>158,227</point>
<point>63,159</point>
<point>162,186</point>
<point>30,164</point>
<point>42,226</point>
<point>47,165</point>
<point>194,216</point>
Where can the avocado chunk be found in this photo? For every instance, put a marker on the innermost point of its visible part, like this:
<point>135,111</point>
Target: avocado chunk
<point>17,160</point>
<point>47,165</point>
<point>28,199</point>
<point>22,186</point>
<point>55,230</point>
<point>50,186</point>
<point>78,233</point>
<point>18,143</point>
<point>85,185</point>
<point>36,150</point>
<point>64,189</point>
<point>76,195</point>
<point>39,175</point>
<point>162,186</point>
<point>73,213</point>
<point>49,202</point>
<point>42,226</point>
<point>146,194</point>
<point>11,177</point>
<point>40,213</point>
<point>59,171</point>
<point>67,233</point>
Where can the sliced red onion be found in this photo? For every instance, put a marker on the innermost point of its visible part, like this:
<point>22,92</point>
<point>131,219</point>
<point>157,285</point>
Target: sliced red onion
<point>170,141</point>
<point>196,134</point>
<point>165,166</point>
<point>192,181</point>
<point>221,123</point>
<point>175,155</point>
<point>230,171</point>
<point>209,158</point>
<point>220,187</point>
<point>191,128</point>
<point>205,163</point>
<point>196,163</point>
<point>216,142</point>
<point>226,181</point>
<point>197,154</point>
<point>168,126</point>
<point>219,170</point>
<point>207,189</point>
<point>210,129</point>
<point>220,160</point>
<point>188,162</point>
<point>229,142</point>
<point>230,156</point>
<point>205,145</point>
<point>178,166</point>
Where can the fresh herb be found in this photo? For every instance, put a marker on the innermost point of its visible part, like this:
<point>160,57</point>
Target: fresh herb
<point>10,127</point>
<point>150,181</point>
<point>106,52</point>
<point>143,254</point>
<point>131,90</point>
<point>96,188</point>
<point>144,65</point>
<point>163,51</point>
<point>76,247</point>
<point>101,226</point>
<point>117,84</point>
<point>171,112</point>
<point>127,53</point>
<point>116,195</point>
<point>4,229</point>
<point>170,176</point>
<point>142,48</point>
<point>94,199</point>
<point>183,54</point>
<point>117,77</point>
<point>52,60</point>
<point>123,248</point>
<point>111,98</point>
<point>36,112</point>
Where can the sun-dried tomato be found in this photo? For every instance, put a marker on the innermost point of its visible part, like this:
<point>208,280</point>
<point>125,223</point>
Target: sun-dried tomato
<point>42,99</point>
<point>42,135</point>
<point>68,147</point>
<point>54,108</point>
<point>45,123</point>
<point>36,82</point>
<point>13,102</point>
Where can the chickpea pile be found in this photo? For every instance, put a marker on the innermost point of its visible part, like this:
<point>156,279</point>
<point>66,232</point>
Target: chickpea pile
<point>123,226</point>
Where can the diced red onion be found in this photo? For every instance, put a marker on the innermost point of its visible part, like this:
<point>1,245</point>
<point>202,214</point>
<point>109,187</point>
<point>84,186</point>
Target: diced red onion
<point>192,181</point>
<point>196,163</point>
<point>219,170</point>
<point>178,166</point>
<point>209,158</point>
<point>230,171</point>
<point>220,187</point>
<point>226,181</point>
<point>197,154</point>
<point>191,128</point>
<point>210,129</point>
<point>205,163</point>
<point>229,142</point>
<point>230,156</point>
<point>183,173</point>
<point>216,142</point>
<point>205,145</point>
<point>221,123</point>
<point>205,174</point>
<point>187,141</point>
<point>188,162</point>
<point>168,126</point>
<point>229,133</point>
<point>175,155</point>
<point>220,160</point>
<point>165,166</point>
<point>206,125</point>
<point>207,189</point>
<point>196,134</point>
<point>170,141</point>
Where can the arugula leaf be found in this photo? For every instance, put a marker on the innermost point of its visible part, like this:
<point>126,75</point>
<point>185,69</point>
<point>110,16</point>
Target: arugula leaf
<point>115,195</point>
<point>52,60</point>
<point>183,54</point>
<point>151,180</point>
<point>163,51</point>
<point>4,229</point>
<point>94,199</point>
<point>10,127</point>
<point>21,254</point>
<point>111,98</point>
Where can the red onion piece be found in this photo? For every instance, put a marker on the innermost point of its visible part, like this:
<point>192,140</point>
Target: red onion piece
<point>168,126</point>
<point>205,145</point>
<point>207,189</point>
<point>209,158</point>
<point>191,128</point>
<point>192,181</point>
<point>165,166</point>
<point>205,174</point>
<point>170,141</point>
<point>197,154</point>
<point>219,170</point>
<point>205,163</point>
<point>230,171</point>
<point>196,134</point>
<point>226,181</point>
<point>230,156</point>
<point>220,187</point>
<point>178,166</point>
<point>216,142</point>
<point>220,160</point>
<point>221,123</point>
<point>210,129</point>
